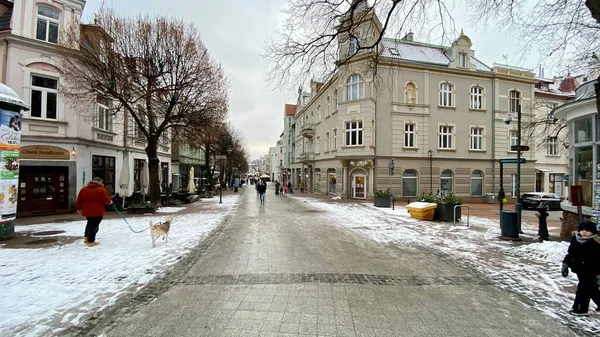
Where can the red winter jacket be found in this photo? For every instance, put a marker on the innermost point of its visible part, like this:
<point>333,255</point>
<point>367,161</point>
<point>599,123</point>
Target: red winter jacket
<point>92,200</point>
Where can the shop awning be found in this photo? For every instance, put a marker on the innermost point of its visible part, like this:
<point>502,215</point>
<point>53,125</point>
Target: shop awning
<point>543,169</point>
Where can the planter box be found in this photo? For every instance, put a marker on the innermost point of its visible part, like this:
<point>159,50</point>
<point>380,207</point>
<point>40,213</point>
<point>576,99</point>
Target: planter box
<point>446,213</point>
<point>383,201</point>
<point>141,210</point>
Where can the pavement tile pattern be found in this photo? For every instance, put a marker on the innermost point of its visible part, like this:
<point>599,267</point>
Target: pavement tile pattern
<point>281,269</point>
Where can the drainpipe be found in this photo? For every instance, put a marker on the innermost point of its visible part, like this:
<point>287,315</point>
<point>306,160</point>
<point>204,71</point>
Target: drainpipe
<point>4,61</point>
<point>494,136</point>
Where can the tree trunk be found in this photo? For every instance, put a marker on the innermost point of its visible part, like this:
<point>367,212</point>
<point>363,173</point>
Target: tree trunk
<point>154,171</point>
<point>597,88</point>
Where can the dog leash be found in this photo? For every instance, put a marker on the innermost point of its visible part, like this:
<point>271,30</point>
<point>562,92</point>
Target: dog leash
<point>127,222</point>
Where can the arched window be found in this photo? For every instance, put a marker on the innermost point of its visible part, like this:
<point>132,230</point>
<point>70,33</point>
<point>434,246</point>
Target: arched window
<point>446,181</point>
<point>409,183</point>
<point>354,87</point>
<point>335,100</point>
<point>477,183</point>
<point>445,94</point>
<point>514,101</point>
<point>476,97</point>
<point>47,24</point>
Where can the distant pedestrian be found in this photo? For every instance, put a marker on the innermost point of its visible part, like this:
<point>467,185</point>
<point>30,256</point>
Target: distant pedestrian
<point>542,215</point>
<point>262,189</point>
<point>583,258</point>
<point>301,187</point>
<point>91,203</point>
<point>289,186</point>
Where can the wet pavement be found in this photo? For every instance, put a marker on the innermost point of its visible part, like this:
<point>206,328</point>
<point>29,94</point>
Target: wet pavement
<point>283,269</point>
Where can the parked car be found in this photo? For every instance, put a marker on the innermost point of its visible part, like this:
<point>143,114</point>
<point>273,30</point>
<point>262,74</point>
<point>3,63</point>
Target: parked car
<point>533,199</point>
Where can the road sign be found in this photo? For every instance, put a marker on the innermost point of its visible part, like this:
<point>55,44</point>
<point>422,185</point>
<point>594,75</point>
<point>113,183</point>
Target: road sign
<point>511,161</point>
<point>519,148</point>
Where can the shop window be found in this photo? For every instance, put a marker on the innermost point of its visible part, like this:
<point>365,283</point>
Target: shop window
<point>409,183</point>
<point>583,130</point>
<point>446,181</point>
<point>477,183</point>
<point>138,166</point>
<point>104,167</point>
<point>584,172</point>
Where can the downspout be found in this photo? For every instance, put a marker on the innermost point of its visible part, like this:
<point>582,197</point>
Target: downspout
<point>494,135</point>
<point>4,61</point>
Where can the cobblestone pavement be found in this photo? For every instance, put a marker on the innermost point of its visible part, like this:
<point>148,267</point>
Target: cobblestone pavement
<point>278,270</point>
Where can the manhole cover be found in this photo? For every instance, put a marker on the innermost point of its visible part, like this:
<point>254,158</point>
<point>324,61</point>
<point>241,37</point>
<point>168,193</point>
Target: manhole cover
<point>47,233</point>
<point>40,241</point>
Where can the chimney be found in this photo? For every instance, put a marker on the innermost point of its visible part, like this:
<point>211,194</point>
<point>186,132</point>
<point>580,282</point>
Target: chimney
<point>408,37</point>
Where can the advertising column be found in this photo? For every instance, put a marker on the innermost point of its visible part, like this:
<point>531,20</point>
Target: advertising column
<point>10,139</point>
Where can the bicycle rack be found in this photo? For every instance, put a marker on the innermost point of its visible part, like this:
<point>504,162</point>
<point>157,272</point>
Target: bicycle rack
<point>468,213</point>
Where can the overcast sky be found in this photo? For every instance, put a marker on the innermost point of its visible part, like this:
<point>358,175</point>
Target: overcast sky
<point>235,31</point>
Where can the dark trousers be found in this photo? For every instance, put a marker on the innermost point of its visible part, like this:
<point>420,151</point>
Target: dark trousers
<point>92,226</point>
<point>587,289</point>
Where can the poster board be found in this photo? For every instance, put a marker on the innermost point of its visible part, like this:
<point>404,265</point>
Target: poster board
<point>10,141</point>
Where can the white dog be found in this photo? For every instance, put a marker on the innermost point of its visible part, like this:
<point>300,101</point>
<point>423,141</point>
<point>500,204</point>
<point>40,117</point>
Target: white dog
<point>159,230</point>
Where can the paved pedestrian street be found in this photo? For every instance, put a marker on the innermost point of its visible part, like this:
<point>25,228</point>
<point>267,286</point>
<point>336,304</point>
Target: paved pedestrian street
<point>283,269</point>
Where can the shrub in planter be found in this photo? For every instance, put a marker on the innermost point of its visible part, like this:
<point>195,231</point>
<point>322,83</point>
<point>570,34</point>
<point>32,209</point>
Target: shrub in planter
<point>446,203</point>
<point>382,198</point>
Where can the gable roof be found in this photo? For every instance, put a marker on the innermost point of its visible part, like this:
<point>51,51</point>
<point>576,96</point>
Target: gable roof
<point>290,109</point>
<point>7,16</point>
<point>422,53</point>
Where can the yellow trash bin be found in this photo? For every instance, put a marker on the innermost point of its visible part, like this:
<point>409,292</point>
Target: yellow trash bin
<point>421,210</point>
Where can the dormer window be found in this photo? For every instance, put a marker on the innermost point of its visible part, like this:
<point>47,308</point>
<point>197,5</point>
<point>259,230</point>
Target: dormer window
<point>47,24</point>
<point>462,60</point>
<point>353,43</point>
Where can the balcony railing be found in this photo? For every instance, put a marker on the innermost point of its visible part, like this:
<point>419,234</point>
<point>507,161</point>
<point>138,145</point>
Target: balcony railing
<point>306,156</point>
<point>307,130</point>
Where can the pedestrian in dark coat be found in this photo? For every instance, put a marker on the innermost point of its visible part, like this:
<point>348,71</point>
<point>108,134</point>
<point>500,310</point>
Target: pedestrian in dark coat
<point>289,186</point>
<point>91,203</point>
<point>583,258</point>
<point>542,215</point>
<point>262,189</point>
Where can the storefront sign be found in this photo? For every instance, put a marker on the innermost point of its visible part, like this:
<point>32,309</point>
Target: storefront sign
<point>10,140</point>
<point>44,152</point>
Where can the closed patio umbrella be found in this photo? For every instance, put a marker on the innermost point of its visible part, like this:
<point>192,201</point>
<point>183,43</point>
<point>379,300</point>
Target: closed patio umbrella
<point>145,178</point>
<point>124,180</point>
<point>191,185</point>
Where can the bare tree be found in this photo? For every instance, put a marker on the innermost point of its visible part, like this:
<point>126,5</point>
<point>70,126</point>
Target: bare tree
<point>545,130</point>
<point>567,31</point>
<point>157,70</point>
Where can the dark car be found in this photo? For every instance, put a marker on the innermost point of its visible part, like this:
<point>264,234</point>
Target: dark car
<point>533,200</point>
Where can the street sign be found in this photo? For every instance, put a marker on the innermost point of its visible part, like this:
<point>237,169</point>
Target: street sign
<point>220,157</point>
<point>519,148</point>
<point>511,161</point>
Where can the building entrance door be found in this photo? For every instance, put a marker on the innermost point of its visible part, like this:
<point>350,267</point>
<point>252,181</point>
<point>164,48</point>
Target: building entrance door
<point>359,186</point>
<point>43,190</point>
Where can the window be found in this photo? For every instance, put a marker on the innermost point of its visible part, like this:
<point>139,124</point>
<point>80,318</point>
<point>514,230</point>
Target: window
<point>138,166</point>
<point>354,133</point>
<point>476,138</point>
<point>44,95</point>
<point>462,60</point>
<point>318,147</point>
<point>328,105</point>
<point>445,94</point>
<point>326,141</point>
<point>476,98</point>
<point>409,135</point>
<point>477,183</point>
<point>354,87</point>
<point>335,100</point>
<point>354,45</point>
<point>445,137</point>
<point>512,138</point>
<point>318,113</point>
<point>104,167</point>
<point>334,147</point>
<point>409,183</point>
<point>514,101</point>
<point>552,146</point>
<point>47,24</point>
<point>446,181</point>
<point>103,120</point>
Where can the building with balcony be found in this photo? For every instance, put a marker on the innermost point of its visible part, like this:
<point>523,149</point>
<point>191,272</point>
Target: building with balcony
<point>64,144</point>
<point>429,106</point>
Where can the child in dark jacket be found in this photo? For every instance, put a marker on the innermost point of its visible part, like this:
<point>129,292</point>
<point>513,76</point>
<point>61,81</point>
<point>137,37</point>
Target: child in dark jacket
<point>583,258</point>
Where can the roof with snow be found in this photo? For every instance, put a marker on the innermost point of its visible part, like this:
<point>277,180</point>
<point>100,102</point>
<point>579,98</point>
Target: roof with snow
<point>422,53</point>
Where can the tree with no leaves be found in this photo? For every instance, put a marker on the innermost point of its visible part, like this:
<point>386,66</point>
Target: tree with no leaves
<point>566,32</point>
<point>156,69</point>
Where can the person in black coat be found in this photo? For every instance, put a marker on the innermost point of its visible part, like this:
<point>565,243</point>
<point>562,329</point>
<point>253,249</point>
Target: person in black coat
<point>261,187</point>
<point>583,258</point>
<point>542,214</point>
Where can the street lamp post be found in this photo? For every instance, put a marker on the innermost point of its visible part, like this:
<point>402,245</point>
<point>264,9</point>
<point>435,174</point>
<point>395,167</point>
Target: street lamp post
<point>518,207</point>
<point>430,153</point>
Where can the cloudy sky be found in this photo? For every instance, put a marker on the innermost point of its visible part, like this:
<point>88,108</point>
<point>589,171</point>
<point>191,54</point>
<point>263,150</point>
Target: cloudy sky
<point>235,31</point>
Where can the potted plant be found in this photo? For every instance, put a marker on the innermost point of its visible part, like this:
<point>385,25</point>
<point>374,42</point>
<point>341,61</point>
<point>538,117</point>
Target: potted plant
<point>143,207</point>
<point>383,198</point>
<point>445,209</point>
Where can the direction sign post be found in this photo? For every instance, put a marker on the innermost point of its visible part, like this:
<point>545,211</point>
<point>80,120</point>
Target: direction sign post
<point>512,160</point>
<point>519,148</point>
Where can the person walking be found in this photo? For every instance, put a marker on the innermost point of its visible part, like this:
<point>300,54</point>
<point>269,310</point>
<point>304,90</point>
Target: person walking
<point>301,187</point>
<point>289,186</point>
<point>262,189</point>
<point>91,203</point>
<point>582,258</point>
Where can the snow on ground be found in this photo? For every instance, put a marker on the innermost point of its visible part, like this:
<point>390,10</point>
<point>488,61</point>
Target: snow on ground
<point>39,298</point>
<point>529,269</point>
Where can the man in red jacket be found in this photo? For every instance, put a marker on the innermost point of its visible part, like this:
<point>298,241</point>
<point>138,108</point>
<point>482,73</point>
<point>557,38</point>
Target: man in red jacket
<point>91,203</point>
